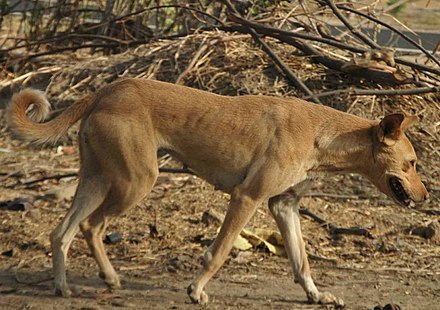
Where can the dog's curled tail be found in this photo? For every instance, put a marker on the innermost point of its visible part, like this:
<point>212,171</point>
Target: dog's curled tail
<point>29,108</point>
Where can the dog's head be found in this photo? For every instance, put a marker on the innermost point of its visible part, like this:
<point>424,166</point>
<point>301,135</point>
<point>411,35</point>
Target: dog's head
<point>393,167</point>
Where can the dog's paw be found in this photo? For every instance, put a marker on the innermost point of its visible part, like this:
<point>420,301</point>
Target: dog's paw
<point>326,298</point>
<point>112,281</point>
<point>63,292</point>
<point>197,297</point>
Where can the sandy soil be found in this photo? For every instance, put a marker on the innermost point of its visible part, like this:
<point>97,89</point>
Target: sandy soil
<point>164,237</point>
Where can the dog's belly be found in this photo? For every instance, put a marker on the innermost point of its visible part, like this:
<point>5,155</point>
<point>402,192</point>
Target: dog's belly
<point>224,177</point>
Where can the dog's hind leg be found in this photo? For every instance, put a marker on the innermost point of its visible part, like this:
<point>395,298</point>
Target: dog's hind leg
<point>287,218</point>
<point>93,229</point>
<point>117,170</point>
<point>62,236</point>
<point>118,200</point>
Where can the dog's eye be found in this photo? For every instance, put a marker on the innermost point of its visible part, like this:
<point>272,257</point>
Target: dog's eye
<point>407,165</point>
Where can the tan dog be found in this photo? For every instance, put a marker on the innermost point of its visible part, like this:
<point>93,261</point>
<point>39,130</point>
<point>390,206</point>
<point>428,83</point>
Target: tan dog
<point>253,147</point>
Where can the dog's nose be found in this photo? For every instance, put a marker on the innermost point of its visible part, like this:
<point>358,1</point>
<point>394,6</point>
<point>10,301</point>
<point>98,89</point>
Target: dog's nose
<point>425,192</point>
<point>426,195</point>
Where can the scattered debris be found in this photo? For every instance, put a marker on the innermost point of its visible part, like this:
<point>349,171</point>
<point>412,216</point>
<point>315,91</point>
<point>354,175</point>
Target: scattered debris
<point>388,307</point>
<point>333,229</point>
<point>212,217</point>
<point>66,150</point>
<point>113,238</point>
<point>429,232</point>
<point>18,204</point>
<point>61,193</point>
<point>154,233</point>
<point>9,253</point>
<point>182,262</point>
<point>243,257</point>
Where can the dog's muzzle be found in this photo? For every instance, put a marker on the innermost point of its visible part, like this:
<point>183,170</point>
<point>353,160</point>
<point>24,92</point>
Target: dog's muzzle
<point>399,192</point>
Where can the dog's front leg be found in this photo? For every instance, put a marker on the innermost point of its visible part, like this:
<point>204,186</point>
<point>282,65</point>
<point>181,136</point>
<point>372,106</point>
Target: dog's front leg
<point>241,208</point>
<point>287,218</point>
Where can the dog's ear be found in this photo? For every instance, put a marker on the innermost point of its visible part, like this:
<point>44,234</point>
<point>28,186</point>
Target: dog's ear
<point>408,121</point>
<point>392,127</point>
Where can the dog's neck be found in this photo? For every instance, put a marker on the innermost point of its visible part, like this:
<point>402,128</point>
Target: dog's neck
<point>344,145</point>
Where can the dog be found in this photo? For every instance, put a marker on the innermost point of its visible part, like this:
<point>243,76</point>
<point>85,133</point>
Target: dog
<point>253,147</point>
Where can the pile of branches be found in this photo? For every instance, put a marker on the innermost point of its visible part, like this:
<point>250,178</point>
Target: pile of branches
<point>42,28</point>
<point>358,54</point>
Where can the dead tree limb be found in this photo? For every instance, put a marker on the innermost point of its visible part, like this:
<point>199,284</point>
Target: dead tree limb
<point>42,179</point>
<point>400,33</point>
<point>332,228</point>
<point>283,35</point>
<point>75,174</point>
<point>270,31</point>
<point>371,73</point>
<point>362,36</point>
<point>380,92</point>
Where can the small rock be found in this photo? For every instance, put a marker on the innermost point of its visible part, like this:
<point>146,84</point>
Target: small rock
<point>387,307</point>
<point>181,263</point>
<point>122,304</point>
<point>29,246</point>
<point>385,246</point>
<point>113,238</point>
<point>200,239</point>
<point>154,232</point>
<point>212,217</point>
<point>9,253</point>
<point>32,213</point>
<point>68,150</point>
<point>18,204</point>
<point>431,232</point>
<point>243,257</point>
<point>61,193</point>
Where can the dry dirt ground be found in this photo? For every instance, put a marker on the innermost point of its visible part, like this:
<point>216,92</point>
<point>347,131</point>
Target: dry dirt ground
<point>164,237</point>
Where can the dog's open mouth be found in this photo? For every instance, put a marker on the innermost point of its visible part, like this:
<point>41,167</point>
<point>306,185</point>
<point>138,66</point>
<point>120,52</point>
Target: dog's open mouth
<point>399,191</point>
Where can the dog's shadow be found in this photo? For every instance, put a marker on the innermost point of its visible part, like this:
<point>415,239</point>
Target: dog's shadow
<point>40,283</point>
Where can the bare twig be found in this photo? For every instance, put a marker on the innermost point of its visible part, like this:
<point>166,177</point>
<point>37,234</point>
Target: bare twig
<point>75,174</point>
<point>404,36</point>
<point>271,31</point>
<point>24,77</point>
<point>176,170</point>
<point>322,258</point>
<point>203,47</point>
<point>347,24</point>
<point>381,92</point>
<point>45,178</point>
<point>333,229</point>
<point>65,37</point>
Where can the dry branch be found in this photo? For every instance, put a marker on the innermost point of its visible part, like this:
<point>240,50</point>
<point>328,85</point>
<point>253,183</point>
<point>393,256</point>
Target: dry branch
<point>333,229</point>
<point>292,38</point>
<point>347,24</point>
<point>75,174</point>
<point>380,92</point>
<point>400,33</point>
